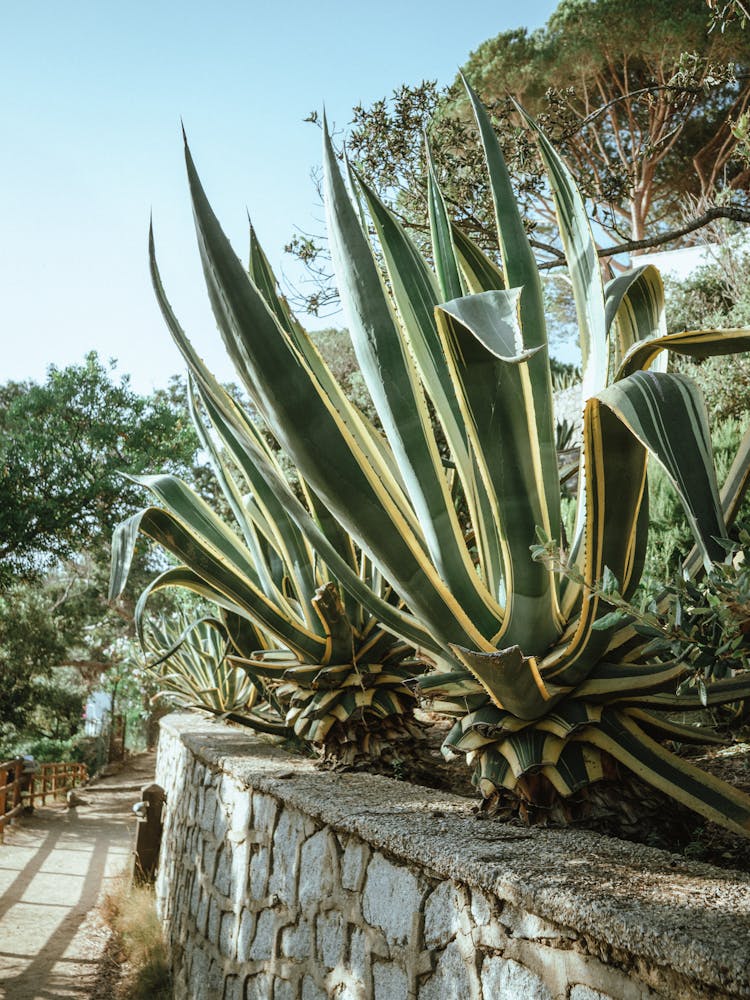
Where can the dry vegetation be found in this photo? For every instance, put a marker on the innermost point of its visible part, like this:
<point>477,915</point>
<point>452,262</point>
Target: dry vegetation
<point>137,948</point>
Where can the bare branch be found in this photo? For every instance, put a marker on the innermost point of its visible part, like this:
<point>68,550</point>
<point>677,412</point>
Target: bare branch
<point>732,212</point>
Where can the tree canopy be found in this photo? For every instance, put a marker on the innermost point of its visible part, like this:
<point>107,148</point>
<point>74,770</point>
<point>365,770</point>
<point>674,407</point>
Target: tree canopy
<point>646,102</point>
<point>64,445</point>
<point>638,94</point>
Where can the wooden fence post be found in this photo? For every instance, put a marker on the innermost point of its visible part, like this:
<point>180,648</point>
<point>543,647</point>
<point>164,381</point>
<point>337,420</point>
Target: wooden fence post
<point>3,798</point>
<point>18,775</point>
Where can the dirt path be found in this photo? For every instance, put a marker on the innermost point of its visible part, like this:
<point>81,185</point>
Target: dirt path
<point>55,867</point>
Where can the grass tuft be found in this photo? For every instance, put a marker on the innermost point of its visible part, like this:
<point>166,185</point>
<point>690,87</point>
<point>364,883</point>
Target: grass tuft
<point>140,949</point>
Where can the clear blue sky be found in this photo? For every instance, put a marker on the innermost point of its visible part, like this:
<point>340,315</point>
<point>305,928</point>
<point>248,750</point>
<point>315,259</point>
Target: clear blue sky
<point>92,93</point>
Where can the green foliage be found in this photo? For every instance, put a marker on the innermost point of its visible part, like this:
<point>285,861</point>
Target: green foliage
<point>647,104</point>
<point>47,749</point>
<point>716,295</point>
<point>58,704</point>
<point>336,349</point>
<point>725,383</point>
<point>188,665</point>
<point>337,682</point>
<point>63,445</point>
<point>30,640</point>
<point>637,96</point>
<point>726,12</point>
<point>703,624</point>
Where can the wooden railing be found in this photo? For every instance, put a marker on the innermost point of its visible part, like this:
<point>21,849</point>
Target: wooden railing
<point>19,789</point>
<point>11,804</point>
<point>55,780</point>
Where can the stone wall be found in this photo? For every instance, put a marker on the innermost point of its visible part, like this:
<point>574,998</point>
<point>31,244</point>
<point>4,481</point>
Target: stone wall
<point>280,882</point>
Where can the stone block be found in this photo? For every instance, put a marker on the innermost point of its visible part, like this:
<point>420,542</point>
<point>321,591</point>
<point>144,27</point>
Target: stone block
<point>265,809</point>
<point>208,860</point>
<point>223,874</point>
<point>444,915</point>
<point>504,979</point>
<point>240,871</point>
<point>580,992</point>
<point>530,927</point>
<point>198,968</point>
<point>318,867</point>
<point>492,935</point>
<point>482,907</point>
<point>229,923</point>
<point>354,864</point>
<point>287,841</point>
<point>245,935</point>
<point>297,941</point>
<point>258,987</point>
<point>389,982</point>
<point>359,962</point>
<point>311,990</point>
<point>202,914</point>
<point>453,978</point>
<point>261,950</point>
<point>259,870</point>
<point>221,823</point>
<point>241,813</point>
<point>213,985</point>
<point>195,894</point>
<point>391,898</point>
<point>331,938</point>
<point>208,810</point>
<point>283,989</point>
<point>233,989</point>
<point>214,921</point>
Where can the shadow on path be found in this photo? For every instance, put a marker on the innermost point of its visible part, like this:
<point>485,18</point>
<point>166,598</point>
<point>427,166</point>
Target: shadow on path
<point>55,868</point>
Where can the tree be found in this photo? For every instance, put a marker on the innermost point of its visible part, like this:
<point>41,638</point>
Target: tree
<point>30,642</point>
<point>637,94</point>
<point>647,104</point>
<point>63,447</point>
<point>724,12</point>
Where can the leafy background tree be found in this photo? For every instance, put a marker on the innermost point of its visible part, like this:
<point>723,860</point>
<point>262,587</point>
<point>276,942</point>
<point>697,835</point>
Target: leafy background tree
<point>640,97</point>
<point>63,448</point>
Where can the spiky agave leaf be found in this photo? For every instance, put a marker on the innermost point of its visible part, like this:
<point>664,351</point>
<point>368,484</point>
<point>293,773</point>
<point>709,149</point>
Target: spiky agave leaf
<point>621,714</point>
<point>188,660</point>
<point>338,669</point>
<point>515,648</point>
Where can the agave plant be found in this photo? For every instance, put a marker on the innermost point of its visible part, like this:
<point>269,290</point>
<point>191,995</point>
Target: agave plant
<point>550,699</point>
<point>188,660</point>
<point>338,681</point>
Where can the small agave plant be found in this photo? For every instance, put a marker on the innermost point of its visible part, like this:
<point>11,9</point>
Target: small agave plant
<point>338,680</point>
<point>553,702</point>
<point>188,661</point>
